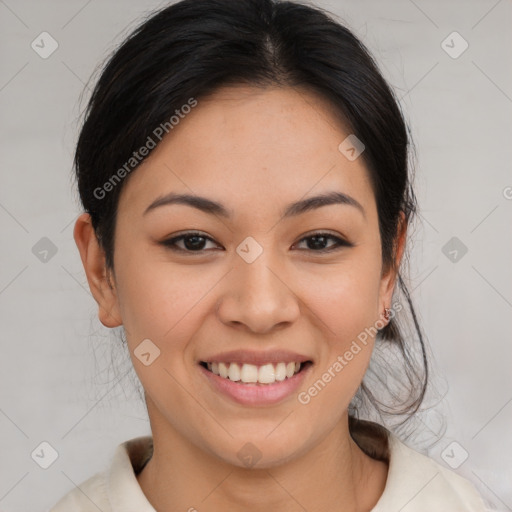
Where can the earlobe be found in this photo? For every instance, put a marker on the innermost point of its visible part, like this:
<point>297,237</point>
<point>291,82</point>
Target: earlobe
<point>93,260</point>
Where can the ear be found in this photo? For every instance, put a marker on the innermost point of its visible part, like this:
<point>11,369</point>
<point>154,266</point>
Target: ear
<point>389,277</point>
<point>93,260</point>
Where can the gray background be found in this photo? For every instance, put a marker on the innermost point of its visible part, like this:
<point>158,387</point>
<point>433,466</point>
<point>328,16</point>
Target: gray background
<point>56,380</point>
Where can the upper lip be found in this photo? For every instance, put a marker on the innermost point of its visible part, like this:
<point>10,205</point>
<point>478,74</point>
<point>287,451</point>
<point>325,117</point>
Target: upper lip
<point>257,358</point>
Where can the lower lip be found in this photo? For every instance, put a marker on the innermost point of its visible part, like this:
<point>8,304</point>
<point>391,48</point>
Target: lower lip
<point>256,394</point>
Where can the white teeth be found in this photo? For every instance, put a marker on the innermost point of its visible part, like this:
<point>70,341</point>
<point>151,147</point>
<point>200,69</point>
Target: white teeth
<point>234,372</point>
<point>280,371</point>
<point>267,374</point>
<point>223,370</point>
<point>250,373</point>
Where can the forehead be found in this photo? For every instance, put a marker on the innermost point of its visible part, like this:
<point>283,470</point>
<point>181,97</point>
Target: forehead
<point>251,148</point>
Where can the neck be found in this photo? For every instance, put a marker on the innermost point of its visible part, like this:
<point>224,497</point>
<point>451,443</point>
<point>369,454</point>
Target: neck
<point>334,475</point>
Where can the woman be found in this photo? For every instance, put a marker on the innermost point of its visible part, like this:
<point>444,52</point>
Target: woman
<point>243,171</point>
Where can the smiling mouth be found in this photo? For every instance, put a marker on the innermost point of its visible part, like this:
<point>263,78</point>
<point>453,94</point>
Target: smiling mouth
<point>252,374</point>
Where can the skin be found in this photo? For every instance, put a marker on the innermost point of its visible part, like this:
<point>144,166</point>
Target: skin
<point>255,151</point>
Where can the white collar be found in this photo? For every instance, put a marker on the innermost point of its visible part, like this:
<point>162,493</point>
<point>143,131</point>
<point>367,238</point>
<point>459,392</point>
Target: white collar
<point>415,482</point>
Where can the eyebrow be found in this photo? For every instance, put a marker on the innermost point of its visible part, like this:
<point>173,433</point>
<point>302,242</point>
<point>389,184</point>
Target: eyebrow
<point>212,207</point>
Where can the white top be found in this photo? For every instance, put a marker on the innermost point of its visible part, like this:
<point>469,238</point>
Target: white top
<point>415,483</point>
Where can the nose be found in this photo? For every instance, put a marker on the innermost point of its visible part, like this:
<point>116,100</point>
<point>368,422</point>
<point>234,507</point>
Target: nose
<point>257,297</point>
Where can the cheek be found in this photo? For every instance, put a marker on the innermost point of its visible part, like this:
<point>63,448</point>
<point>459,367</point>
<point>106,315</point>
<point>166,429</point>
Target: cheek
<point>345,296</point>
<point>346,305</point>
<point>162,301</point>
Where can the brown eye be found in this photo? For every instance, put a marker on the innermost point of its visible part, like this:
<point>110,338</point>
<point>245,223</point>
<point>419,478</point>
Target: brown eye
<point>195,242</point>
<point>318,242</point>
<point>192,242</point>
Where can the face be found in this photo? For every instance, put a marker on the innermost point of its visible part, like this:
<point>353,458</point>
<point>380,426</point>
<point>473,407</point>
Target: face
<point>272,287</point>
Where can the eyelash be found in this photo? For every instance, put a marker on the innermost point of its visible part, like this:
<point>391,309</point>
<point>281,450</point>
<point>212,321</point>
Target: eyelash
<point>340,242</point>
